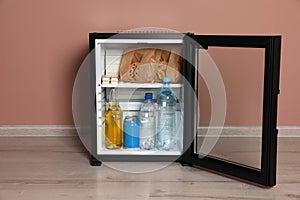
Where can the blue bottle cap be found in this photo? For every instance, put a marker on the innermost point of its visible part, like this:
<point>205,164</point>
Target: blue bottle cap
<point>167,80</point>
<point>148,96</point>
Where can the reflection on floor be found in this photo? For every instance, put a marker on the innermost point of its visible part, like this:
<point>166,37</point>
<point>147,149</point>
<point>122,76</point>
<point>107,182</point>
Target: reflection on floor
<point>241,150</point>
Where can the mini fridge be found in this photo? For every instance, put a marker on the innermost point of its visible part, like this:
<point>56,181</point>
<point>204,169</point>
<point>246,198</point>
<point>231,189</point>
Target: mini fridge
<point>106,50</point>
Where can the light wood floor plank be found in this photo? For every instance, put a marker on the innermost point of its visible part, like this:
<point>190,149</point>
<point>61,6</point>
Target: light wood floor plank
<point>58,168</point>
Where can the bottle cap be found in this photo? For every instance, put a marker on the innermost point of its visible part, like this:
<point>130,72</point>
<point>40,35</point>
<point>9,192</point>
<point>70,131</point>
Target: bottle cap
<point>148,96</point>
<point>167,80</point>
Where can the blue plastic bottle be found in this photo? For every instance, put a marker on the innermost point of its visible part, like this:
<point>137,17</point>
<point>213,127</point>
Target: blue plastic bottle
<point>166,137</point>
<point>147,127</point>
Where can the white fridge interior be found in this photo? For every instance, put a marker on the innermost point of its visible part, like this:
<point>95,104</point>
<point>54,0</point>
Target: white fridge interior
<point>108,55</point>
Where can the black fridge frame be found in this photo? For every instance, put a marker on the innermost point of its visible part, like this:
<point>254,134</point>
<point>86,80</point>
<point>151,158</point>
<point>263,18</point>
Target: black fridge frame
<point>266,176</point>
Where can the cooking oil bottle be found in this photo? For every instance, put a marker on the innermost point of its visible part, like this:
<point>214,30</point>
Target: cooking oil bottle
<point>113,123</point>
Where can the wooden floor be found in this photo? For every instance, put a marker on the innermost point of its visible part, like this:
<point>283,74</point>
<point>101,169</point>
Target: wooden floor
<point>58,168</point>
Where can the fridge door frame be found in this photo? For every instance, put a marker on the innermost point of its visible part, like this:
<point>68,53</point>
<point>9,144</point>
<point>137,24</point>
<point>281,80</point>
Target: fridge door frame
<point>266,176</point>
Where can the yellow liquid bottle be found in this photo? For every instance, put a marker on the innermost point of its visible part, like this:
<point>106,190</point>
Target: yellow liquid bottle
<point>113,124</point>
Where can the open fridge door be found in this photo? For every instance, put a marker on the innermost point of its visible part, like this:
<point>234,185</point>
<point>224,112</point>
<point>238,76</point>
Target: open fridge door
<point>244,144</point>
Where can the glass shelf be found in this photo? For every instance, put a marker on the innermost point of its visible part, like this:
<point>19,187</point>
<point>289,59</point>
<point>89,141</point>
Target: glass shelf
<point>138,85</point>
<point>137,152</point>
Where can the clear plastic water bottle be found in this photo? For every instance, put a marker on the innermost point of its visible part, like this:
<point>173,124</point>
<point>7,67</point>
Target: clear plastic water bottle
<point>166,133</point>
<point>147,124</point>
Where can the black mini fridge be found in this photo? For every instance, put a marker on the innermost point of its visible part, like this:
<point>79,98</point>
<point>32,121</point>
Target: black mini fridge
<point>106,51</point>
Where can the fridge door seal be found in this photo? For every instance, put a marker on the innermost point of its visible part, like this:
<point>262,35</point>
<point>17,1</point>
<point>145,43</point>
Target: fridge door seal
<point>266,176</point>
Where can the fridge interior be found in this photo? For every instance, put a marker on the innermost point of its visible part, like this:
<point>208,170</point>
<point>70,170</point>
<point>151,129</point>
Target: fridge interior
<point>108,54</point>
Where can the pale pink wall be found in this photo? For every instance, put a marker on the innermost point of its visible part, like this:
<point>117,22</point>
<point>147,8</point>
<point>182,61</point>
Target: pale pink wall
<point>44,42</point>
<point>242,71</point>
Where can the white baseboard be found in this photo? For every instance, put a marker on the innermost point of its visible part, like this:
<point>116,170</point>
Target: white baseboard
<point>65,130</point>
<point>38,130</point>
<point>247,131</point>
